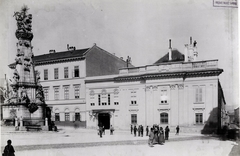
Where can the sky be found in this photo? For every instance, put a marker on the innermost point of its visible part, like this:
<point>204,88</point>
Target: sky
<point>136,28</point>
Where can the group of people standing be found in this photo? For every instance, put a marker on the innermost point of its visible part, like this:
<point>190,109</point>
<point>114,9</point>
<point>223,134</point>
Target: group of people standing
<point>156,133</point>
<point>138,130</point>
<point>101,130</point>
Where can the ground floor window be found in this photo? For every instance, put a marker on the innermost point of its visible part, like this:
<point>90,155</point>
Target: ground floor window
<point>199,118</point>
<point>67,117</point>
<point>164,118</point>
<point>133,118</point>
<point>57,118</point>
<point>77,116</point>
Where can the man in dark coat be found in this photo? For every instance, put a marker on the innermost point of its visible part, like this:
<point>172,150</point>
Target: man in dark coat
<point>9,150</point>
<point>131,129</point>
<point>135,130</point>
<point>167,130</point>
<point>147,130</point>
<point>177,130</point>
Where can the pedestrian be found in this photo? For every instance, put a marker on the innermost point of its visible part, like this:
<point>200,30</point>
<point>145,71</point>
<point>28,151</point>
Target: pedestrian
<point>161,136</point>
<point>135,130</point>
<point>100,129</point>
<point>151,137</point>
<point>142,131</point>
<point>103,130</point>
<point>139,130</point>
<point>167,130</point>
<point>131,129</point>
<point>147,130</point>
<point>111,130</point>
<point>177,130</point>
<point>9,150</point>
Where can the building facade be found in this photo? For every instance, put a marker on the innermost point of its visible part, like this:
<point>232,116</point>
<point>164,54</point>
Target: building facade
<point>63,74</point>
<point>176,90</point>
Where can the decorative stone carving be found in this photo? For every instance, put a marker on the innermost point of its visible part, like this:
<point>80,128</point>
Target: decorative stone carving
<point>172,87</point>
<point>116,91</point>
<point>92,93</point>
<point>180,86</point>
<point>104,92</point>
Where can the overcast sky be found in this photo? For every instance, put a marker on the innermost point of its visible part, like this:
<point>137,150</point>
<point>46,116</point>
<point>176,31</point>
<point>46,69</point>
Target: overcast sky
<point>140,29</point>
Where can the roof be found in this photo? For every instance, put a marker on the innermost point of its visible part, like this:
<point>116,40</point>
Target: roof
<point>60,55</point>
<point>57,56</point>
<point>176,56</point>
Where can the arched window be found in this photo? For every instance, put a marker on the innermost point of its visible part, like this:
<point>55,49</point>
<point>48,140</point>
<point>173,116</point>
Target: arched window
<point>164,118</point>
<point>67,115</point>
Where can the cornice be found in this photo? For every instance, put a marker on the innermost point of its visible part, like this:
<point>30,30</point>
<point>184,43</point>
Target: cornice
<point>170,75</point>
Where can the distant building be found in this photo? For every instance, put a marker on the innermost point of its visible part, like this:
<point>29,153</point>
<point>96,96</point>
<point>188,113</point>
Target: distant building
<point>236,115</point>
<point>176,90</point>
<point>63,77</point>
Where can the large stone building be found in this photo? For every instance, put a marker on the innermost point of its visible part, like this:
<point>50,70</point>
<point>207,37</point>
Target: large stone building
<point>176,90</point>
<point>62,75</point>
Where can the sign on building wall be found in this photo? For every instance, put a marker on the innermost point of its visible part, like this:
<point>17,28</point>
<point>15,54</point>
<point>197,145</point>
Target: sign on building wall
<point>225,3</point>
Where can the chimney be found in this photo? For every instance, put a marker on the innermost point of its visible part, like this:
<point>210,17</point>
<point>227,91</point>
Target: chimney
<point>170,51</point>
<point>67,46</point>
<point>190,40</point>
<point>186,53</point>
<point>195,53</point>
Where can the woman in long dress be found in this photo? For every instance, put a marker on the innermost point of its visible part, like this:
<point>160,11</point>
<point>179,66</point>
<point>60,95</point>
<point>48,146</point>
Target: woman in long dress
<point>161,136</point>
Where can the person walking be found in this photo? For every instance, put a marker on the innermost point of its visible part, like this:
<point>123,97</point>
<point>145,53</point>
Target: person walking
<point>111,130</point>
<point>135,130</point>
<point>177,130</point>
<point>9,150</point>
<point>151,137</point>
<point>167,130</point>
<point>147,130</point>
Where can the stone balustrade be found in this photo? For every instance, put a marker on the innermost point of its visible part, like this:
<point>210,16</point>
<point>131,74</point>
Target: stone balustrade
<point>171,67</point>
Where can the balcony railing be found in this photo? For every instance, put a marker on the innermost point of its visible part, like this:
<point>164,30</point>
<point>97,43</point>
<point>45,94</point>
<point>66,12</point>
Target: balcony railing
<point>171,67</point>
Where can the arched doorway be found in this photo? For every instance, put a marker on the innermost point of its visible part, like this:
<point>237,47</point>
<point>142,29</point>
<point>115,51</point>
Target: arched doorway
<point>104,119</point>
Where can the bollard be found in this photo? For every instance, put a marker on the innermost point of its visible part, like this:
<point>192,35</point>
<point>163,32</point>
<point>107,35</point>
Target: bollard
<point>21,122</point>
<point>46,121</point>
<point>16,122</point>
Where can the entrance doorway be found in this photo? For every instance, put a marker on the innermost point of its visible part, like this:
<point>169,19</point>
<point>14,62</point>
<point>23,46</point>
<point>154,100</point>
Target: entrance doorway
<point>104,119</point>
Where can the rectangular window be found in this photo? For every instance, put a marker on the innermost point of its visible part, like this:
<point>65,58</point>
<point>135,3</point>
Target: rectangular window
<point>56,93</point>
<point>55,73</point>
<point>198,94</point>
<point>77,116</point>
<point>45,93</point>
<point>76,71</point>
<point>109,99</point>
<point>199,118</point>
<point>57,117</point>
<point>76,91</point>
<point>133,118</point>
<point>67,117</point>
<point>65,72</point>
<point>99,99</point>
<point>164,118</point>
<point>133,102</point>
<point>45,72</point>
<point>163,96</point>
<point>66,92</point>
